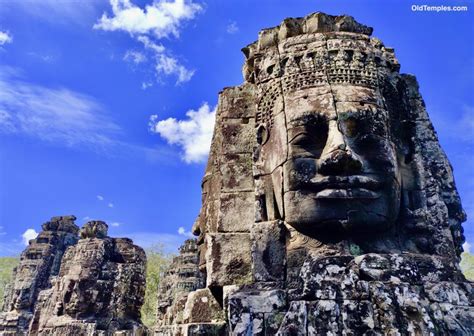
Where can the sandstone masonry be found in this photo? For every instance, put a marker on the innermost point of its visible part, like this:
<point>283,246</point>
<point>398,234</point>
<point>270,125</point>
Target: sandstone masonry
<point>83,285</point>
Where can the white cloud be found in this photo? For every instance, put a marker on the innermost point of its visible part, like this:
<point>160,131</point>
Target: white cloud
<point>110,205</point>
<point>232,28</point>
<point>165,64</point>
<point>182,232</point>
<point>146,85</point>
<point>100,197</point>
<point>28,235</point>
<point>161,18</point>
<point>193,135</point>
<point>467,247</point>
<point>169,65</point>
<point>5,38</point>
<point>135,57</point>
<point>115,224</point>
<point>53,114</point>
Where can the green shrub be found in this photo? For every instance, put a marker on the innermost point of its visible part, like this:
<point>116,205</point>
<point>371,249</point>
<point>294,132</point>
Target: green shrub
<point>157,261</point>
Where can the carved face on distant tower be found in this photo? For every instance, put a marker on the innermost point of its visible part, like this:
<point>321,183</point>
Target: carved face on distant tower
<point>325,144</point>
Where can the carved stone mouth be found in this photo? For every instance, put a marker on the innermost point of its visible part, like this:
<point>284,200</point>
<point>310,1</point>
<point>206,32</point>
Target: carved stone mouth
<point>350,193</point>
<point>354,186</point>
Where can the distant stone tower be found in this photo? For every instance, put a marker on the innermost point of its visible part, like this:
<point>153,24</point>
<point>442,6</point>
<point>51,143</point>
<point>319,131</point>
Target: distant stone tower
<point>329,206</point>
<point>38,263</point>
<point>64,285</point>
<point>99,290</point>
<point>181,277</point>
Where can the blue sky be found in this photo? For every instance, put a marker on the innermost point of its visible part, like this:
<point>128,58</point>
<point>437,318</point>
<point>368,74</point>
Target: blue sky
<point>106,107</point>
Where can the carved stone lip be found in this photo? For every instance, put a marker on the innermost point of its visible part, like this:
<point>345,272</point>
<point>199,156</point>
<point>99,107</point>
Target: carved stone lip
<point>346,183</point>
<point>359,193</point>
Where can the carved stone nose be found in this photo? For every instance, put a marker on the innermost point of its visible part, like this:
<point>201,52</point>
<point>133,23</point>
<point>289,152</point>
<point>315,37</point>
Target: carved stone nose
<point>340,162</point>
<point>337,158</point>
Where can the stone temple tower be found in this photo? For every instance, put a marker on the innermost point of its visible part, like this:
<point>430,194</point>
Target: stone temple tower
<point>329,206</point>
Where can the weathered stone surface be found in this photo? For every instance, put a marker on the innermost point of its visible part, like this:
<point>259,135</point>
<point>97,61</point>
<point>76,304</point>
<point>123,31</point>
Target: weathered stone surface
<point>38,263</point>
<point>202,307</point>
<point>356,225</point>
<point>70,286</point>
<point>268,251</point>
<point>181,278</point>
<point>228,259</point>
<point>99,289</point>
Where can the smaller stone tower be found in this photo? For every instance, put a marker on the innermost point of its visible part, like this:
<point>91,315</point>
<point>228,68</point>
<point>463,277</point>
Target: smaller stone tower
<point>99,290</point>
<point>38,263</point>
<point>182,278</point>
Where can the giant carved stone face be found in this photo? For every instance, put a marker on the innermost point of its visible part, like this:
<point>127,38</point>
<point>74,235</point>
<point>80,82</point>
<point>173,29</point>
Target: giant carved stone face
<point>332,162</point>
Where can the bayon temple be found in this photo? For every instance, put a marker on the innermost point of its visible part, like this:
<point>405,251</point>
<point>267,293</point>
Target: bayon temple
<point>328,208</point>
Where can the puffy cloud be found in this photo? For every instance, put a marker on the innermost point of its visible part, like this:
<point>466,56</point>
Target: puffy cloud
<point>100,197</point>
<point>193,134</point>
<point>28,235</point>
<point>161,18</point>
<point>110,205</point>
<point>5,38</point>
<point>232,28</point>
<point>467,247</point>
<point>53,114</point>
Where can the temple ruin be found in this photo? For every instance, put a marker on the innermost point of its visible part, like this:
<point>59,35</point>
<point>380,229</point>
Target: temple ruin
<point>72,282</point>
<point>328,208</point>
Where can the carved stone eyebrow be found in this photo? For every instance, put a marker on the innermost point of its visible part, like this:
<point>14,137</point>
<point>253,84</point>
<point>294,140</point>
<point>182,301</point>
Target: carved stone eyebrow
<point>308,117</point>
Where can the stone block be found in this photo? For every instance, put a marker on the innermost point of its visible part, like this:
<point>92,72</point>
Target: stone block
<point>250,300</point>
<point>201,306</point>
<point>228,259</point>
<point>324,318</point>
<point>296,319</point>
<point>238,136</point>
<point>268,251</point>
<point>236,172</point>
<point>237,212</point>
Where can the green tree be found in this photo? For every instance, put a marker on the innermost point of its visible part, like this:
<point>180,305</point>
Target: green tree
<point>467,265</point>
<point>6,271</point>
<point>157,261</point>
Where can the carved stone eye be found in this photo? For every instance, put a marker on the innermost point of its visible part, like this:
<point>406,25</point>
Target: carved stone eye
<point>262,134</point>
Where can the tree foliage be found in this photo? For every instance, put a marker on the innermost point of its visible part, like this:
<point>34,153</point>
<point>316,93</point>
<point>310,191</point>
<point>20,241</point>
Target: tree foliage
<point>157,261</point>
<point>6,271</point>
<point>467,265</point>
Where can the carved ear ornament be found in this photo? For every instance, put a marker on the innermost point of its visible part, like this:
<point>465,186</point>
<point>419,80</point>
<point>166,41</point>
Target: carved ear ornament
<point>263,134</point>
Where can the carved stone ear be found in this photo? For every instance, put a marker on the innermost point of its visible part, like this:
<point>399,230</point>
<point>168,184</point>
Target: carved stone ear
<point>262,134</point>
